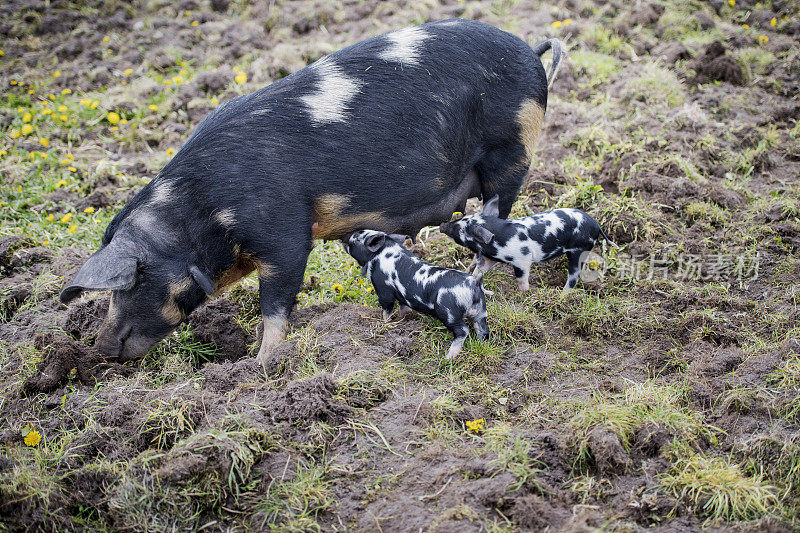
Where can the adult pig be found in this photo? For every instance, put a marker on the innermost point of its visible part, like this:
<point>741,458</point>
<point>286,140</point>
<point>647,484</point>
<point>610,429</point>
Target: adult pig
<point>392,134</point>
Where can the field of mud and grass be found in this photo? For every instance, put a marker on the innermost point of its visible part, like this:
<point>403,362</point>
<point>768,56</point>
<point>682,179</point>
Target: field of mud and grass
<point>665,394</point>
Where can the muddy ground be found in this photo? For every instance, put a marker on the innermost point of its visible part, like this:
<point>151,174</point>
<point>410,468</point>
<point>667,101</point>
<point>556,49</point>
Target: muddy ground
<point>662,395</point>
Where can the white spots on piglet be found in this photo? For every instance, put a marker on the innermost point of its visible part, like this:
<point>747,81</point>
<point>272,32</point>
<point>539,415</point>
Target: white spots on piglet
<point>335,90</point>
<point>405,46</point>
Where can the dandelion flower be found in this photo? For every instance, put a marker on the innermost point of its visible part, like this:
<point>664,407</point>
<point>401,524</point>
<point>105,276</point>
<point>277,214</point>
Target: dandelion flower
<point>32,438</point>
<point>72,169</point>
<point>69,156</point>
<point>46,111</point>
<point>567,22</point>
<point>60,183</point>
<point>94,105</point>
<point>556,24</point>
<point>337,288</point>
<point>72,229</point>
<point>66,218</point>
<point>241,77</point>
<point>26,129</point>
<point>62,108</point>
<point>177,80</point>
<point>594,264</point>
<point>44,142</point>
<point>128,71</point>
<point>773,22</point>
<point>51,96</point>
<point>27,117</point>
<point>195,22</point>
<point>106,39</point>
<point>763,39</point>
<point>63,118</point>
<point>89,210</point>
<point>746,26</point>
<point>15,134</point>
<point>112,117</point>
<point>31,91</point>
<point>50,217</point>
<point>153,107</point>
<point>476,426</point>
<point>86,102</point>
<point>732,2</point>
<point>56,74</point>
<point>2,153</point>
<point>2,53</point>
<point>66,91</point>
<point>170,151</point>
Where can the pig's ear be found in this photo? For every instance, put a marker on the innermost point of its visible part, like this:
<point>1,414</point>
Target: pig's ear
<point>112,267</point>
<point>202,279</point>
<point>483,235</point>
<point>490,208</point>
<point>375,242</point>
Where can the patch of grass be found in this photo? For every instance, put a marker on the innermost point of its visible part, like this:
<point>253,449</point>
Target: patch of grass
<point>606,41</point>
<point>595,67</point>
<point>295,504</point>
<point>657,86</point>
<point>707,211</point>
<point>718,489</point>
<point>165,422</point>
<point>514,455</point>
<point>755,58</point>
<point>642,403</point>
<point>332,275</point>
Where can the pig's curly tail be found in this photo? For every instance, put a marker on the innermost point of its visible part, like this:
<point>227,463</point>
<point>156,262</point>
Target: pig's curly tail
<point>558,53</point>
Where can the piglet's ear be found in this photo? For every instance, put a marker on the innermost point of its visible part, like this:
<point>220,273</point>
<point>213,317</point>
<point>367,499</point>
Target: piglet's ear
<point>202,279</point>
<point>399,238</point>
<point>112,267</point>
<point>375,242</point>
<point>490,208</point>
<point>483,235</point>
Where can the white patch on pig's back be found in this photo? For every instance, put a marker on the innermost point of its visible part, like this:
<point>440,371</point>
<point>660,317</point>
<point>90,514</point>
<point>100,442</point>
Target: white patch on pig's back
<point>334,92</point>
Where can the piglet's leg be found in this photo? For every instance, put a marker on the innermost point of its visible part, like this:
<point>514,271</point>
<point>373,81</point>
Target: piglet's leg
<point>522,277</point>
<point>386,302</point>
<point>460,331</point>
<point>573,270</point>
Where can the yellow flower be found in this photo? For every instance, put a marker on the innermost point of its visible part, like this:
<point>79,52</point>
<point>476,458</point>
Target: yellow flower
<point>14,134</point>
<point>195,23</point>
<point>72,229</point>
<point>556,24</point>
<point>170,151</point>
<point>337,288</point>
<point>51,96</point>
<point>177,80</point>
<point>114,128</point>
<point>476,426</point>
<point>66,218</point>
<point>31,91</point>
<point>153,107</point>
<point>27,117</point>
<point>594,264</point>
<point>14,82</point>
<point>187,13</point>
<point>56,73</point>
<point>2,153</point>
<point>2,53</point>
<point>62,108</point>
<point>214,100</point>
<point>112,117</point>
<point>763,39</point>
<point>128,71</point>
<point>63,118</point>
<point>167,81</point>
<point>183,72</point>
<point>567,22</point>
<point>32,438</point>
<point>106,39</point>
<point>94,105</point>
<point>773,22</point>
<point>69,156</point>
<point>745,26</point>
<point>241,77</point>
<point>89,209</point>
<point>61,183</point>
<point>123,121</point>
<point>66,91</point>
<point>26,129</point>
<point>732,2</point>
<point>72,169</point>
<point>44,142</point>
<point>86,102</point>
<point>46,111</point>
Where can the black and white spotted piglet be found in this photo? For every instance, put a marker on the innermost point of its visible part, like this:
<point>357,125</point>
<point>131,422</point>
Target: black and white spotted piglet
<point>397,274</point>
<point>523,241</point>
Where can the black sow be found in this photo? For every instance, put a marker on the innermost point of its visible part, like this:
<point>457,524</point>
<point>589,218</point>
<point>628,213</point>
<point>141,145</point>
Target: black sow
<point>392,134</point>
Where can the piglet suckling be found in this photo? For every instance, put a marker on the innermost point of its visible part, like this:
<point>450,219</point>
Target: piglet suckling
<point>523,241</point>
<point>398,275</point>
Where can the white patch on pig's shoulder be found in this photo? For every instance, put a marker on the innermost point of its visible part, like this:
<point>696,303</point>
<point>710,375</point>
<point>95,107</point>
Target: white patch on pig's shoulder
<point>225,217</point>
<point>405,46</point>
<point>335,90</point>
<point>162,193</point>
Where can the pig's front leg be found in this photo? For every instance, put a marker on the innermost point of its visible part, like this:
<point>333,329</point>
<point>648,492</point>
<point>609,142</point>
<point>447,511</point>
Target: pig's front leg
<point>280,276</point>
<point>460,331</point>
<point>574,266</point>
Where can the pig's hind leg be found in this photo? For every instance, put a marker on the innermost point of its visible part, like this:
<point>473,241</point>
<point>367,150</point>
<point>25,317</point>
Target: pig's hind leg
<point>574,266</point>
<point>502,173</point>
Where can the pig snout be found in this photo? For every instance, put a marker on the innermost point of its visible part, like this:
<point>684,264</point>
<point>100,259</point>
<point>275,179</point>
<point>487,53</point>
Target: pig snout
<point>122,343</point>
